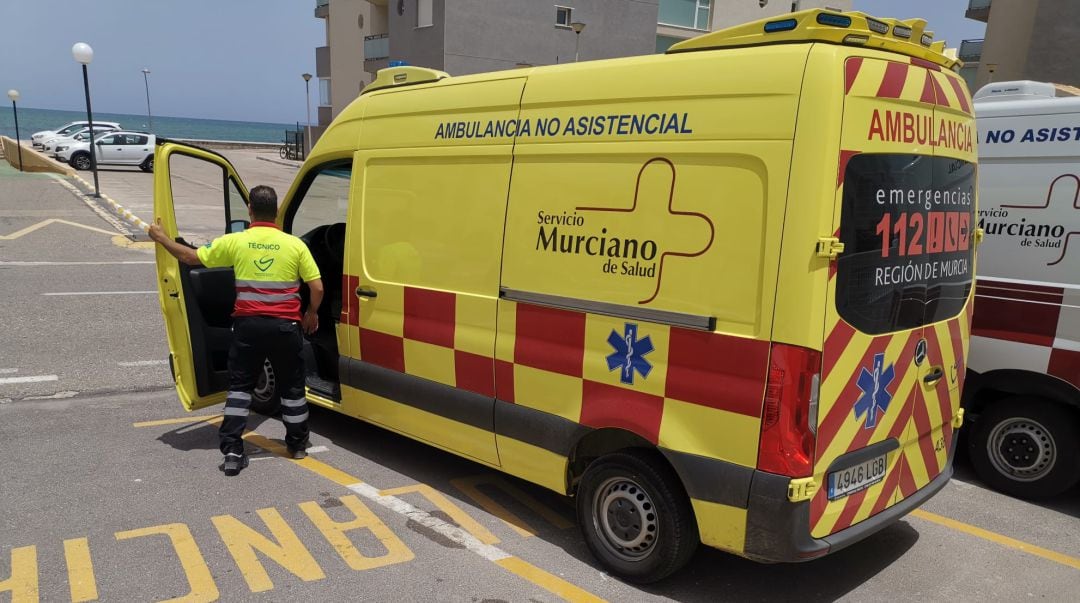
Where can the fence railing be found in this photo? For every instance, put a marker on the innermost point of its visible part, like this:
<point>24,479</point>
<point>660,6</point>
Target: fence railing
<point>376,47</point>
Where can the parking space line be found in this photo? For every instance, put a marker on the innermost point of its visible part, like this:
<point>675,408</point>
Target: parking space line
<point>28,379</point>
<point>143,363</point>
<point>71,293</point>
<point>470,487</point>
<point>1031,549</point>
<point>8,371</point>
<point>177,421</point>
<point>112,263</point>
<point>81,580</point>
<point>514,565</point>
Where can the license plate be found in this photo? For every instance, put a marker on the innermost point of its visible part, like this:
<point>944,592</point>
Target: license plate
<point>858,477</point>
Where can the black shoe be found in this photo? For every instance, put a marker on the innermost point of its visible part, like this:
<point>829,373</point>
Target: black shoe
<point>233,463</point>
<point>299,452</point>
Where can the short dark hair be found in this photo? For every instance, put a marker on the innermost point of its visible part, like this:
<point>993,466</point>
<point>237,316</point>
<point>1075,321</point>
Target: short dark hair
<point>263,203</point>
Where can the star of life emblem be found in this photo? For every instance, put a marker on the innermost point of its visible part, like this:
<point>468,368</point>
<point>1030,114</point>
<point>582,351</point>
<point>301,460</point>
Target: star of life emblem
<point>629,354</point>
<point>875,393</point>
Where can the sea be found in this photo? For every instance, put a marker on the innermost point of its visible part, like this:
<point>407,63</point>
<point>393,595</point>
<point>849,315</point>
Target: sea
<point>34,120</point>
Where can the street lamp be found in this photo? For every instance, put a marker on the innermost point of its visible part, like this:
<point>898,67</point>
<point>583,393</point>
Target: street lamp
<point>307,99</point>
<point>14,96</point>
<point>146,82</point>
<point>83,54</point>
<point>578,27</point>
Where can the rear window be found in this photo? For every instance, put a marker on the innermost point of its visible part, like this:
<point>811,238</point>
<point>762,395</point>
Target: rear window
<point>906,225</point>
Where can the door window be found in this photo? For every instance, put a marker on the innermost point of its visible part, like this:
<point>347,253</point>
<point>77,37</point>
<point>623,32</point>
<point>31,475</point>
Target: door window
<point>906,225</point>
<point>207,202</point>
<point>322,199</point>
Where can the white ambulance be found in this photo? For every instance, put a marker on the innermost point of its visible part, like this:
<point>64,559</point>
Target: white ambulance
<point>1023,387</point>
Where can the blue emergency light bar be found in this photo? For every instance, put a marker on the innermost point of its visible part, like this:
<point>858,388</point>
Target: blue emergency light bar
<point>834,20</point>
<point>784,25</point>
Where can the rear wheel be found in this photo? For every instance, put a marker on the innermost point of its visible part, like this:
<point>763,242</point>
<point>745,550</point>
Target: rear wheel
<point>148,164</point>
<point>636,517</point>
<point>80,161</point>
<point>1027,447</point>
<point>265,398</point>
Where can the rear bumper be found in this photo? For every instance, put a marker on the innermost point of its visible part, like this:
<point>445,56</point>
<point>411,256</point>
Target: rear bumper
<point>778,530</point>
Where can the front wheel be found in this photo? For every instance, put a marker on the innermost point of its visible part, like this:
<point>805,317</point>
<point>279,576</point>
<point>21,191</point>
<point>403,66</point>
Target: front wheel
<point>81,161</point>
<point>1027,447</point>
<point>636,517</point>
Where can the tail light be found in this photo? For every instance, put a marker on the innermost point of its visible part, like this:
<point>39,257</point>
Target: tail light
<point>789,420</point>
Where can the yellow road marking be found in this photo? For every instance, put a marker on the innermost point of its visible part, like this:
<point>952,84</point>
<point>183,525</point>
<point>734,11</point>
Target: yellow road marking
<point>44,223</point>
<point>177,421</point>
<point>470,486</point>
<point>455,512</point>
<point>541,578</point>
<point>396,551</point>
<point>200,580</point>
<point>514,565</point>
<point>285,549</point>
<point>23,582</point>
<point>126,243</point>
<point>81,578</point>
<point>1031,549</point>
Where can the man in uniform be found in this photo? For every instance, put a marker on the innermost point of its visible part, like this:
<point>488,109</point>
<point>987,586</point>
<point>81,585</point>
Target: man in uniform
<point>268,265</point>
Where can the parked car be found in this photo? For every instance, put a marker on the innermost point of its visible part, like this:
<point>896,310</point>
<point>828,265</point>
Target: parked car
<point>37,139</point>
<point>114,148</point>
<point>50,144</point>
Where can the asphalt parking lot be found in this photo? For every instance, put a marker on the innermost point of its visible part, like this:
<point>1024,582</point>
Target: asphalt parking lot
<point>111,492</point>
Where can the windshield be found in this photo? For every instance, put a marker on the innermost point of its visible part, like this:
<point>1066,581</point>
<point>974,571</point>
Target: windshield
<point>906,225</point>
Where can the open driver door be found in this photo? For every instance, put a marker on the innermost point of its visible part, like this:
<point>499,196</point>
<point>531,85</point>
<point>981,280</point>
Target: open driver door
<point>197,302</point>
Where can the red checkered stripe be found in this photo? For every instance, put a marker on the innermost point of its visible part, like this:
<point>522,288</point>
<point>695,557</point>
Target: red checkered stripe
<point>428,317</point>
<point>711,370</point>
<point>707,369</point>
<point>915,80</point>
<point>1030,314</point>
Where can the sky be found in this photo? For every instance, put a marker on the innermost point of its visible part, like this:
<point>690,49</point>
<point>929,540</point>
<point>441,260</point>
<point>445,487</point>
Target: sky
<point>219,59</point>
<point>944,17</point>
<point>226,59</point>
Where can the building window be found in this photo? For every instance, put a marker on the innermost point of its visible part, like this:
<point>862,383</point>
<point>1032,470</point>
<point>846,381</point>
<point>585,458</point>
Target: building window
<point>665,42</point>
<point>563,16</point>
<point>691,14</point>
<point>423,13</point>
<point>324,91</point>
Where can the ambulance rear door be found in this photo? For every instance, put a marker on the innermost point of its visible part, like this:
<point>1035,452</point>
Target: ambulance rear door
<point>882,288</point>
<point>197,302</point>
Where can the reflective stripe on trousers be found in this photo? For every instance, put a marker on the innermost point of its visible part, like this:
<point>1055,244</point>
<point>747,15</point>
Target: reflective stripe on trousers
<point>294,411</point>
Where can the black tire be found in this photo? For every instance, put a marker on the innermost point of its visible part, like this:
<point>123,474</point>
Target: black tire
<point>80,161</point>
<point>148,164</point>
<point>283,152</point>
<point>636,517</point>
<point>265,398</point>
<point>1027,447</point>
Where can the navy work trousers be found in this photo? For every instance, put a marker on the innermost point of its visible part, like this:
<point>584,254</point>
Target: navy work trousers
<point>256,339</point>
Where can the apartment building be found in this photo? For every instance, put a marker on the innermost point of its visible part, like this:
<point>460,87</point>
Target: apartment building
<point>473,36</point>
<point>1024,40</point>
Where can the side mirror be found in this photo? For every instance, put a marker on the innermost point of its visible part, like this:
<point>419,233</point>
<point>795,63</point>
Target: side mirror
<point>238,225</point>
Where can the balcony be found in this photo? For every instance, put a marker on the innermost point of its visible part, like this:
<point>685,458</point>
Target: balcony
<point>376,47</point>
<point>322,9</point>
<point>322,61</point>
<point>970,51</point>
<point>376,52</point>
<point>978,10</point>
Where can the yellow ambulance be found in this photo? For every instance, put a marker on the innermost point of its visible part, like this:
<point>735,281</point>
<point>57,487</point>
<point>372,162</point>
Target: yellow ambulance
<point>719,295</point>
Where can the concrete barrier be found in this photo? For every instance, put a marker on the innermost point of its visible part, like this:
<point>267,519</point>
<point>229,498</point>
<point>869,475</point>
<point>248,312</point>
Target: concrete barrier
<point>229,144</point>
<point>33,160</point>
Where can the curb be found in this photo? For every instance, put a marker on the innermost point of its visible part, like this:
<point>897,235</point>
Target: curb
<point>120,210</point>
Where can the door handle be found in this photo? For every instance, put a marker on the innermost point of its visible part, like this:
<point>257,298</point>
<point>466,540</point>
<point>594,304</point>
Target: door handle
<point>366,292</point>
<point>934,376</point>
